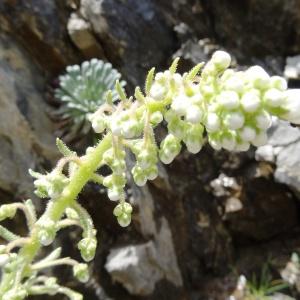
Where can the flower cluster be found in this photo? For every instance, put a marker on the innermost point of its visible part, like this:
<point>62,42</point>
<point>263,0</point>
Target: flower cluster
<point>50,185</point>
<point>233,108</point>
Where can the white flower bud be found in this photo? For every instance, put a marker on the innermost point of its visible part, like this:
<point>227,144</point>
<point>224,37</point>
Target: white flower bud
<point>170,115</point>
<point>140,180</point>
<point>208,90</point>
<point>156,118</point>
<point>263,120</point>
<point>129,129</point>
<point>216,144</point>
<point>114,194</point>
<point>221,59</point>
<point>116,127</point>
<point>107,181</point>
<point>177,128</point>
<point>139,175</point>
<point>242,146</point>
<point>47,231</point>
<point>292,105</point>
<point>260,140</point>
<point>152,173</point>
<point>178,79</point>
<point>212,122</point>
<point>274,97</point>
<point>98,124</point>
<point>258,76</point>
<point>248,134</point>
<point>227,74</point>
<point>7,211</point>
<point>123,213</point>
<point>234,120</point>
<point>228,141</point>
<point>197,99</point>
<point>194,114</point>
<point>250,101</point>
<point>81,272</point>
<point>87,247</point>
<point>228,99</point>
<point>193,146</point>
<point>145,159</point>
<point>279,83</point>
<point>159,77</point>
<point>166,157</point>
<point>158,91</point>
<point>235,83</point>
<point>180,104</point>
<point>124,220</point>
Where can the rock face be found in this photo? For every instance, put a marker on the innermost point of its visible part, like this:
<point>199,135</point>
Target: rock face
<point>140,267</point>
<point>284,146</point>
<point>206,214</point>
<point>25,130</point>
<point>133,52</point>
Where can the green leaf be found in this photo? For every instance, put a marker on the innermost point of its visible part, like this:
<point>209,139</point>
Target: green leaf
<point>194,71</point>
<point>149,81</point>
<point>63,148</point>
<point>109,97</point>
<point>174,65</point>
<point>120,91</point>
<point>34,174</point>
<point>138,94</point>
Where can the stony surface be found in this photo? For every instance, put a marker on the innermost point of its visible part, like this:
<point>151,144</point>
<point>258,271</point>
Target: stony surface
<point>139,267</point>
<point>283,149</point>
<point>133,51</point>
<point>25,130</point>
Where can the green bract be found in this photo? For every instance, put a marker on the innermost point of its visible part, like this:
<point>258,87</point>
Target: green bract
<point>83,89</point>
<point>233,109</point>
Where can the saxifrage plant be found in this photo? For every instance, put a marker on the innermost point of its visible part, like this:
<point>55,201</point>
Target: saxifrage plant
<point>82,90</point>
<point>234,109</point>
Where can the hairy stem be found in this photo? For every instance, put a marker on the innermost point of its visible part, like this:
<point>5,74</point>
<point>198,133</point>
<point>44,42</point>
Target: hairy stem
<point>7,234</point>
<point>56,210</point>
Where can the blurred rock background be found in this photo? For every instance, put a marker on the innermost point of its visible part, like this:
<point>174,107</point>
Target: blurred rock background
<point>209,217</point>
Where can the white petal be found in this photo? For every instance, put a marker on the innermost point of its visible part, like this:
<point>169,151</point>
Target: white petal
<point>221,59</point>
<point>194,114</point>
<point>274,97</point>
<point>228,143</point>
<point>215,144</point>
<point>234,120</point>
<point>242,146</point>
<point>279,83</point>
<point>235,83</point>
<point>180,104</point>
<point>248,134</point>
<point>263,120</point>
<point>158,91</point>
<point>212,122</point>
<point>260,140</point>
<point>229,99</point>
<point>250,101</point>
<point>258,76</point>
